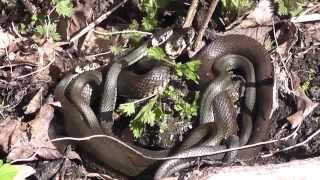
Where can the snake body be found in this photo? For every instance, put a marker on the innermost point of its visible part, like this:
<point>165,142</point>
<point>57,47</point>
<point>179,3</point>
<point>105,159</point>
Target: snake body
<point>263,85</point>
<point>131,160</point>
<point>215,99</point>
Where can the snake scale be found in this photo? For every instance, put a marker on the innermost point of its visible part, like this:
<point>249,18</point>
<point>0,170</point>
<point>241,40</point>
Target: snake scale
<point>131,160</point>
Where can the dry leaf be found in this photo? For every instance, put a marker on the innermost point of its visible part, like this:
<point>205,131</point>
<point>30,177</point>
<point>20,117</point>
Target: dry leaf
<point>21,140</point>
<point>35,103</point>
<point>305,105</point>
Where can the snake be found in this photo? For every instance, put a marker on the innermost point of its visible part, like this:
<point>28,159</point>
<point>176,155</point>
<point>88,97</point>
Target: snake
<point>215,99</point>
<point>131,161</point>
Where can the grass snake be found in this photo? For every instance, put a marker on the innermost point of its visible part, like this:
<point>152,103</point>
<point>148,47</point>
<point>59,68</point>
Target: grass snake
<point>132,160</point>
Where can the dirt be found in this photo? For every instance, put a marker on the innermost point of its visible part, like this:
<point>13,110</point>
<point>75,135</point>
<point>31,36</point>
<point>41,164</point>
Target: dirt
<point>18,88</point>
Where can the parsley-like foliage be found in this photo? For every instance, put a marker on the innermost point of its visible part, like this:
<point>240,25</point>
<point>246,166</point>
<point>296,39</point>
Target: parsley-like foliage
<point>64,8</point>
<point>148,115</point>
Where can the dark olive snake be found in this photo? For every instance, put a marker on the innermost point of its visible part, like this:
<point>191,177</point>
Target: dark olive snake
<point>254,63</point>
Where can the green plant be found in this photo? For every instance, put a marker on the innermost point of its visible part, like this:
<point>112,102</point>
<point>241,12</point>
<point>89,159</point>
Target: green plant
<point>116,50</point>
<point>149,8</point>
<point>7,171</point>
<point>305,86</point>
<point>186,110</point>
<point>63,8</point>
<point>148,115</point>
<point>234,8</point>
<point>187,70</point>
<point>290,7</point>
<point>127,109</point>
<point>48,30</point>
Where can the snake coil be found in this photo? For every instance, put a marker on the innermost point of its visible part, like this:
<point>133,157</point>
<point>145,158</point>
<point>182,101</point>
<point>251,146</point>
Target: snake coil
<point>130,160</point>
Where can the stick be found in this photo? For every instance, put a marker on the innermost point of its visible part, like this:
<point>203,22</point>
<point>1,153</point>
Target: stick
<point>97,21</point>
<point>204,26</point>
<point>191,13</point>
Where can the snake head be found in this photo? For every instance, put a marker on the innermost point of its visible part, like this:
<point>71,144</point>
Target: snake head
<point>179,41</point>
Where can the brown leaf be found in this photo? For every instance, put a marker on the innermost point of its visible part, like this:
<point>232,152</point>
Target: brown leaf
<point>35,103</point>
<point>21,140</point>
<point>305,105</point>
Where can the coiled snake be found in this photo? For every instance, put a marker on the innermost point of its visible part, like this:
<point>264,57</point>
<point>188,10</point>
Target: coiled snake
<point>221,54</point>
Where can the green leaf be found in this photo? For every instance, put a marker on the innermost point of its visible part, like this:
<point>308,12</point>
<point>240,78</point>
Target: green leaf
<point>116,50</point>
<point>235,7</point>
<point>127,109</point>
<point>48,30</point>
<point>156,53</point>
<point>64,8</point>
<point>185,110</point>
<point>290,7</point>
<point>158,112</point>
<point>134,25</point>
<point>137,128</point>
<point>144,116</point>
<point>188,70</point>
<point>149,23</point>
<point>7,171</point>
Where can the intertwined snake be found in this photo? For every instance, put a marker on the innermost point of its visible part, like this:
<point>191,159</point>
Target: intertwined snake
<point>231,52</point>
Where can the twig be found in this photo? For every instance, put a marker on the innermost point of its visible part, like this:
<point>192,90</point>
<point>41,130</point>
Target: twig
<point>20,64</point>
<point>296,145</point>
<point>99,54</point>
<point>41,69</point>
<point>311,9</point>
<point>281,58</point>
<point>115,139</point>
<point>97,21</point>
<point>123,32</point>
<point>306,18</point>
<point>16,31</point>
<point>145,98</point>
<point>303,142</point>
<point>191,13</point>
<point>204,25</point>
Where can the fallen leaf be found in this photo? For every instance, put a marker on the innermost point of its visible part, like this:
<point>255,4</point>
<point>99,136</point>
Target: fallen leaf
<point>21,140</point>
<point>305,105</point>
<point>35,103</point>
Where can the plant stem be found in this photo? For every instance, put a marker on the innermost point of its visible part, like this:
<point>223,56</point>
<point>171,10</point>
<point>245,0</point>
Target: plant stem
<point>169,62</point>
